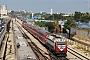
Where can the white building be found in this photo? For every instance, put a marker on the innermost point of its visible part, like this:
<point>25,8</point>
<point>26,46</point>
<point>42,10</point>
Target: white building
<point>32,15</point>
<point>24,11</point>
<point>51,12</point>
<point>3,10</point>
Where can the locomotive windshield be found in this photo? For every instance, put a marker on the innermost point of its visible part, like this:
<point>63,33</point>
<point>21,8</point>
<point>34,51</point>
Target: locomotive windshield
<point>61,43</point>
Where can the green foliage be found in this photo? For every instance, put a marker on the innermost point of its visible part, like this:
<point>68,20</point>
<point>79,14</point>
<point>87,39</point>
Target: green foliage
<point>41,24</point>
<point>57,16</point>
<point>77,15</point>
<point>50,25</point>
<point>53,17</point>
<point>67,24</point>
<point>68,18</point>
<point>83,17</point>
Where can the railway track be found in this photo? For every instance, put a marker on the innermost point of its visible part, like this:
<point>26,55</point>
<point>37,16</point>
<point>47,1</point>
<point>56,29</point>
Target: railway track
<point>39,52</point>
<point>77,54</point>
<point>4,38</point>
<point>42,55</point>
<point>52,56</point>
<point>3,48</point>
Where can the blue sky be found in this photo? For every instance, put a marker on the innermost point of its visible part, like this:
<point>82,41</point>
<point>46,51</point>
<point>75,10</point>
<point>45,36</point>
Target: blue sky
<point>66,6</point>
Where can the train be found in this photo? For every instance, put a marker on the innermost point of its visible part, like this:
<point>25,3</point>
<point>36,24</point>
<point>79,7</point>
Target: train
<point>53,42</point>
<point>3,29</point>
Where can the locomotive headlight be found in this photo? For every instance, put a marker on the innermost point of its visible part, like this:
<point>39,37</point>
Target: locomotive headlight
<point>63,46</point>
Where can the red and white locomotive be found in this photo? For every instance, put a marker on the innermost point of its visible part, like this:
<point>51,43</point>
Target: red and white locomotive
<point>53,42</point>
<point>57,45</point>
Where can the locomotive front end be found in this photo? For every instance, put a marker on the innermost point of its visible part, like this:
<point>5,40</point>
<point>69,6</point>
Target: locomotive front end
<point>61,48</point>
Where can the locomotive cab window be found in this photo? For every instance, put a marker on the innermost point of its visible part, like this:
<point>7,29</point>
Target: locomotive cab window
<point>61,43</point>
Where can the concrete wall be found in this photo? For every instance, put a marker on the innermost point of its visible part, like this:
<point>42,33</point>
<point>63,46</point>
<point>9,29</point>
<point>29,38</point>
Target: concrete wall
<point>81,32</point>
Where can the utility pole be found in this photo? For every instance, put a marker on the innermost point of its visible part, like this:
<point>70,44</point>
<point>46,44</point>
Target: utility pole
<point>89,6</point>
<point>89,9</point>
<point>12,6</point>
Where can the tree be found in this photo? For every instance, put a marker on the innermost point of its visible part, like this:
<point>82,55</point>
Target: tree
<point>41,24</point>
<point>69,23</point>
<point>83,17</point>
<point>77,16</point>
<point>50,25</point>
